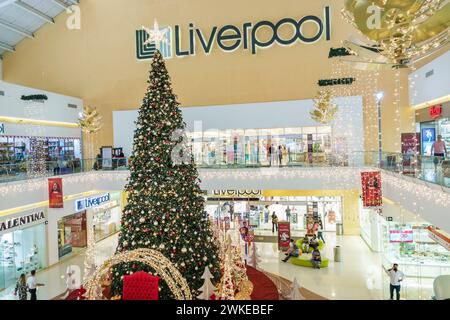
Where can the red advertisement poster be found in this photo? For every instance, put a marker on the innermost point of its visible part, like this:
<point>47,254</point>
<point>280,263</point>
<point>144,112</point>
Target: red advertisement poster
<point>371,189</point>
<point>55,193</point>
<point>410,150</point>
<point>284,235</point>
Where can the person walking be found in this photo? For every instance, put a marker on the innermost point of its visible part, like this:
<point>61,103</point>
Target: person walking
<point>288,214</point>
<point>280,155</point>
<point>395,277</point>
<point>21,287</point>
<point>274,222</point>
<point>320,231</point>
<point>439,150</point>
<point>32,285</point>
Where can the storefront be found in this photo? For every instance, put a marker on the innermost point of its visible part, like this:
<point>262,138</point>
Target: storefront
<point>22,245</point>
<point>407,241</point>
<point>106,218</point>
<point>252,146</point>
<point>433,121</point>
<point>94,215</point>
<point>72,234</point>
<point>258,206</point>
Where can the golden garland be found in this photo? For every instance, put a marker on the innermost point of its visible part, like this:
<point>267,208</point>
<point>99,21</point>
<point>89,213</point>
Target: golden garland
<point>155,259</point>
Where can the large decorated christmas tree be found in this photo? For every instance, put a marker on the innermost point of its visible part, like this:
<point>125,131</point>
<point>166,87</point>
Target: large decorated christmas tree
<point>165,208</point>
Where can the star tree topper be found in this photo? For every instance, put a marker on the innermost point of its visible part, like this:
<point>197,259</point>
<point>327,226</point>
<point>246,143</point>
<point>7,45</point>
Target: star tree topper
<point>155,35</point>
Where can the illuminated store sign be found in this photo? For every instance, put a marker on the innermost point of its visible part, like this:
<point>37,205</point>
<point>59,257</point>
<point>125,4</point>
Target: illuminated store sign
<point>435,111</point>
<point>22,221</point>
<point>230,38</point>
<point>238,193</point>
<point>86,203</point>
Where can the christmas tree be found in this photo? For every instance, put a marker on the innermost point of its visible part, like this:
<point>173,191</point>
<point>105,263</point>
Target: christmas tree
<point>165,209</point>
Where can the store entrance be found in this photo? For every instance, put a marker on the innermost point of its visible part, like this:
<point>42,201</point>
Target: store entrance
<point>72,234</point>
<point>296,210</point>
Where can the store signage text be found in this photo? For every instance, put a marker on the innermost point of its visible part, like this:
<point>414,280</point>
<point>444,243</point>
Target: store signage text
<point>239,193</point>
<point>21,221</point>
<point>83,204</point>
<point>229,38</point>
<point>398,236</point>
<point>2,128</point>
<point>435,111</point>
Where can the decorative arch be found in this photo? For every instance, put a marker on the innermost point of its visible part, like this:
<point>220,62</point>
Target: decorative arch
<point>154,259</point>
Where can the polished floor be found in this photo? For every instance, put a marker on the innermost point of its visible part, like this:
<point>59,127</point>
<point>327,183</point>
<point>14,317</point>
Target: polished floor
<point>54,278</point>
<point>359,276</point>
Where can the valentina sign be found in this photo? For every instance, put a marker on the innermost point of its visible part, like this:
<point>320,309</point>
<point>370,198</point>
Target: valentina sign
<point>230,38</point>
<point>17,222</point>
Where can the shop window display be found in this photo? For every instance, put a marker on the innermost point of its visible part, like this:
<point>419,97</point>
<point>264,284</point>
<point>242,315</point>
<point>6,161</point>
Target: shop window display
<point>106,220</point>
<point>20,252</point>
<point>72,233</point>
<point>419,257</point>
<point>253,146</point>
<point>293,209</point>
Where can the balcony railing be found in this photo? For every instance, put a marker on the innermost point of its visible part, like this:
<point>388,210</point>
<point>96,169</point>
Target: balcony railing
<point>431,169</point>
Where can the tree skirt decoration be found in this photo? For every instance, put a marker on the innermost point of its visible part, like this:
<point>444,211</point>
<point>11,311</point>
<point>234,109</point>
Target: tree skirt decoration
<point>152,258</point>
<point>264,288</point>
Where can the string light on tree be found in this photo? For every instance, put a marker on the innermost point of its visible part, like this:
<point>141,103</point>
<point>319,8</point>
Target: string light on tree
<point>165,208</point>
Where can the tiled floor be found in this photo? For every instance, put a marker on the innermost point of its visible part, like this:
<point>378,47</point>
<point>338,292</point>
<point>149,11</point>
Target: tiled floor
<point>358,277</point>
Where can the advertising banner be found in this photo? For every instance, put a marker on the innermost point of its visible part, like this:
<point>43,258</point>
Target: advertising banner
<point>371,189</point>
<point>399,236</point>
<point>55,193</point>
<point>428,139</point>
<point>284,235</point>
<point>410,150</point>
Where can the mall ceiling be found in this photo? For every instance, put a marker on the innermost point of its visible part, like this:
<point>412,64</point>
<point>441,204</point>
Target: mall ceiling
<point>20,19</point>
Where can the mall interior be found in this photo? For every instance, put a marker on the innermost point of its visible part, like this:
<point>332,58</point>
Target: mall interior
<point>302,119</point>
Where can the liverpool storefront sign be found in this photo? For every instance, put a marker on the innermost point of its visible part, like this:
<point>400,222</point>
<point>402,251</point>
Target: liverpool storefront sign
<point>371,189</point>
<point>55,193</point>
<point>284,235</point>
<point>230,38</point>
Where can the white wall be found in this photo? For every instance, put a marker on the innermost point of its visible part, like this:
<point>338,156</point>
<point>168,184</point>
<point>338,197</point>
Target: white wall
<point>283,114</point>
<point>433,87</point>
<point>54,109</point>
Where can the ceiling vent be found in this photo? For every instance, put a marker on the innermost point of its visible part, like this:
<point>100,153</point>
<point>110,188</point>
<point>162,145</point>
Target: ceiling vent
<point>429,73</point>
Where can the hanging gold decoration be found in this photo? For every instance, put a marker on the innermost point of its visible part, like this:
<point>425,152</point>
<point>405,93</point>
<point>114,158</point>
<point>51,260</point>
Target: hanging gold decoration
<point>402,29</point>
<point>154,259</point>
<point>325,110</point>
<point>90,120</point>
